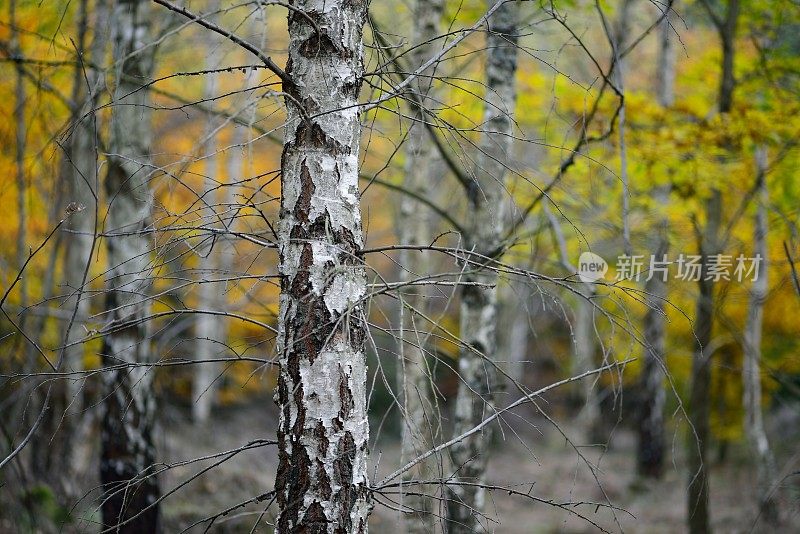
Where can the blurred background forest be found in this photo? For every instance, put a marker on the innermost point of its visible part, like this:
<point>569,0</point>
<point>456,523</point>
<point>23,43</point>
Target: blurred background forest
<point>638,129</point>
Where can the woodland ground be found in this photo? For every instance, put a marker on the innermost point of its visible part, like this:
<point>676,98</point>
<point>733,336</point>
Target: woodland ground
<point>651,507</point>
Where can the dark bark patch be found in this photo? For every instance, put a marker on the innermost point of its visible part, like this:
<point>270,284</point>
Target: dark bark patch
<point>345,396</point>
<point>323,482</point>
<point>321,44</point>
<point>307,188</point>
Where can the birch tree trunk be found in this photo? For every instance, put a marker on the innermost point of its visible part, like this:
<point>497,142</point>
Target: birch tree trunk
<point>478,323</point>
<point>208,331</point>
<point>323,431</point>
<point>650,450</point>
<point>667,52</point>
<point>417,410</point>
<point>751,374</point>
<point>83,190</point>
<point>127,449</point>
<point>584,347</point>
<point>698,408</point>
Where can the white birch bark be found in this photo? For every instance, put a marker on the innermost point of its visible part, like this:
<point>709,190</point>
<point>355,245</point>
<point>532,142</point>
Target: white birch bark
<point>751,374</point>
<point>478,311</point>
<point>127,448</point>
<point>323,432</point>
<point>417,409</point>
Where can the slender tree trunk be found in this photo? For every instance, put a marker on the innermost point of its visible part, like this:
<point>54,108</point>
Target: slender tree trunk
<point>701,378</point>
<point>479,302</point>
<point>650,450</point>
<point>698,408</point>
<point>515,312</point>
<point>323,431</point>
<point>751,375</point>
<point>583,360</point>
<point>208,327</point>
<point>20,131</point>
<point>667,52</point>
<point>127,450</point>
<point>417,410</point>
<point>83,191</point>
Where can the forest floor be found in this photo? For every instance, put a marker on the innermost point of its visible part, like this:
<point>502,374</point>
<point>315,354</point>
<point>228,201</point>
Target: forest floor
<point>557,471</point>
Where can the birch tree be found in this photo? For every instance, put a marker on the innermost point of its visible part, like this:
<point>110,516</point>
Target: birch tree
<point>321,483</point>
<point>414,229</point>
<point>208,328</point>
<point>751,373</point>
<point>478,312</point>
<point>650,423</point>
<point>127,449</point>
<point>83,191</point>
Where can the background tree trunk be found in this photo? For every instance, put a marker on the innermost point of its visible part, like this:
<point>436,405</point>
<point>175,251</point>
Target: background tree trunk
<point>323,430</point>
<point>478,323</point>
<point>127,450</point>
<point>20,135</point>
<point>698,408</point>
<point>418,417</point>
<point>650,450</point>
<point>208,328</point>
<point>751,374</point>
<point>83,189</point>
<point>583,360</point>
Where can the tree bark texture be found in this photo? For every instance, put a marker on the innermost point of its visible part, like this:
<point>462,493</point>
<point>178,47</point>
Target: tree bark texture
<point>323,431</point>
<point>127,449</point>
<point>478,322</point>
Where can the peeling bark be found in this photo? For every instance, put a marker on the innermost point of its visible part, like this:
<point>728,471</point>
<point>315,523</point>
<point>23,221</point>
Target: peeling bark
<point>127,449</point>
<point>415,228</point>
<point>323,431</point>
<point>478,323</point>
